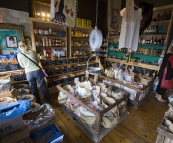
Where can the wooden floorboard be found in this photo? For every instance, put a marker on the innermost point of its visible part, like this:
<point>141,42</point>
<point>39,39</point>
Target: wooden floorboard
<point>139,126</point>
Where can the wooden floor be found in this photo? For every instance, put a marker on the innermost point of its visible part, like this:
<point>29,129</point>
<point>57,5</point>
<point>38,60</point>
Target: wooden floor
<point>139,126</point>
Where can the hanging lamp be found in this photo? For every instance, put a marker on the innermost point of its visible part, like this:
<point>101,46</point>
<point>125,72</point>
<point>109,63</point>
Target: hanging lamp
<point>95,39</point>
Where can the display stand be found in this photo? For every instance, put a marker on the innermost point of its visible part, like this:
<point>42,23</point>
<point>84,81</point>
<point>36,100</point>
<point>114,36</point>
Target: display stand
<point>136,102</point>
<point>162,133</point>
<point>97,131</point>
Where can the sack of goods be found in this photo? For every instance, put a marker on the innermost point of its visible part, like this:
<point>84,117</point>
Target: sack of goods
<point>38,116</point>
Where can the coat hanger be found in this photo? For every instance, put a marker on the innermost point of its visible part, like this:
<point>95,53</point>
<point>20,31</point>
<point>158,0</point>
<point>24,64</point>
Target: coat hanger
<point>136,5</point>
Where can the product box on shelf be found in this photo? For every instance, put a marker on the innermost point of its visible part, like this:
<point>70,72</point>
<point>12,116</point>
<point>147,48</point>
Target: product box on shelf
<point>84,22</point>
<point>78,22</point>
<point>8,58</point>
<point>88,23</point>
<point>10,124</point>
<point>16,136</point>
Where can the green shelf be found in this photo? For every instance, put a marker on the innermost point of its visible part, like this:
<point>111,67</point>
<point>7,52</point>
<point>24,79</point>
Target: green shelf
<point>145,57</point>
<point>148,46</point>
<point>117,53</point>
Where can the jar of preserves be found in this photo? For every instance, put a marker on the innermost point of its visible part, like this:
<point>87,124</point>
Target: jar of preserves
<point>47,42</point>
<point>43,42</point>
<point>50,42</point>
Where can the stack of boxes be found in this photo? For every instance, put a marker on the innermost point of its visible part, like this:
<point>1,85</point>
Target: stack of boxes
<point>83,22</point>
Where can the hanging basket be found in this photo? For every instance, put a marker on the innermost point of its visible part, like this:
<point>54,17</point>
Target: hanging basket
<point>94,70</point>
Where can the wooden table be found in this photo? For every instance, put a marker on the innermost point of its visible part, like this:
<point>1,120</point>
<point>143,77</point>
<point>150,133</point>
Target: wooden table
<point>97,131</point>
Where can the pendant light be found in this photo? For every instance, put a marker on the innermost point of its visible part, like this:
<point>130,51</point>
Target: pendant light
<point>95,39</point>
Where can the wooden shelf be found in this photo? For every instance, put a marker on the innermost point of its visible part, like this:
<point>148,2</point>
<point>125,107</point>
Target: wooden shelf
<point>51,47</point>
<point>102,51</point>
<point>145,55</point>
<point>80,47</point>
<point>65,74</point>
<point>63,65</point>
<point>153,33</point>
<point>155,22</point>
<point>42,21</point>
<point>82,27</point>
<point>80,37</point>
<point>152,67</point>
<point>15,72</point>
<point>43,35</point>
<point>116,60</point>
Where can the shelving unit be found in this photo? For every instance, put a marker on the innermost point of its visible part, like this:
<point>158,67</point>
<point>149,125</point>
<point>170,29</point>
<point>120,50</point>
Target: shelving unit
<point>37,38</point>
<point>78,42</point>
<point>148,60</point>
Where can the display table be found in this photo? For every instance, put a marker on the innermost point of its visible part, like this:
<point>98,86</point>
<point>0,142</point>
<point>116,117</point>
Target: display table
<point>97,131</point>
<point>137,101</point>
<point>163,133</point>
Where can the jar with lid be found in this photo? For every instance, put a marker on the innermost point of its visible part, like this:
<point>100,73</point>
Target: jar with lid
<point>50,30</point>
<point>43,41</point>
<point>47,42</point>
<point>40,31</point>
<point>46,32</point>
<point>50,42</point>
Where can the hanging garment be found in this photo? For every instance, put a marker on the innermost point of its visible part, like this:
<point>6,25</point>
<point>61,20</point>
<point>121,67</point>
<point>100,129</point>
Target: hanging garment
<point>64,12</point>
<point>147,12</point>
<point>130,30</point>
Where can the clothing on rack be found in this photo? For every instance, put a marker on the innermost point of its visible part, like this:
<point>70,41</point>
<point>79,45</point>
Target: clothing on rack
<point>130,30</point>
<point>147,12</point>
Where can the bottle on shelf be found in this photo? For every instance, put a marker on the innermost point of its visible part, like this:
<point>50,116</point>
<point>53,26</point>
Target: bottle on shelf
<point>155,41</point>
<point>158,41</point>
<point>162,41</point>
<point>164,16</point>
<point>151,40</point>
<point>158,17</point>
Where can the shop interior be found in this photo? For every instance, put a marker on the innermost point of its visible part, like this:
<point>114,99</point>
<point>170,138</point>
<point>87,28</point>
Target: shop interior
<point>86,71</point>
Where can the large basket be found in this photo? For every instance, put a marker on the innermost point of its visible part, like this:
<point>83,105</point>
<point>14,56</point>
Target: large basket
<point>94,70</point>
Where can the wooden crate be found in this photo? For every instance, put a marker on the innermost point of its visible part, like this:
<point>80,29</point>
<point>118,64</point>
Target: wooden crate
<point>97,131</point>
<point>163,133</point>
<point>134,103</point>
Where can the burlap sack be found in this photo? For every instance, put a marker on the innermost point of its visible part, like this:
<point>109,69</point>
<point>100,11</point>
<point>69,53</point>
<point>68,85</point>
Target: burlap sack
<point>167,140</point>
<point>169,120</point>
<point>4,100</point>
<point>87,117</point>
<point>62,98</point>
<point>109,122</point>
<point>89,120</point>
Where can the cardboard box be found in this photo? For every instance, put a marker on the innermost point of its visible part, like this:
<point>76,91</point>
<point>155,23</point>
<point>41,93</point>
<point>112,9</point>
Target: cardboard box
<point>78,22</point>
<point>88,23</point>
<point>84,22</point>
<point>16,137</point>
<point>11,124</point>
